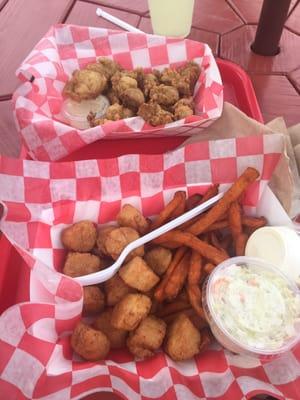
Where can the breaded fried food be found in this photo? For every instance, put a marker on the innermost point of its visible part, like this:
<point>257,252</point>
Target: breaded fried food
<point>115,289</point>
<point>138,275</point>
<point>79,264</point>
<point>158,258</point>
<point>122,81</point>
<point>102,234</point>
<point>148,82</point>
<point>117,111</point>
<point>117,337</point>
<point>93,300</point>
<point>89,343</point>
<point>85,84</point>
<point>154,114</point>
<point>105,66</point>
<point>112,97</point>
<point>184,108</point>
<point>80,236</point>
<point>130,311</point>
<point>147,337</point>
<point>183,339</point>
<point>190,71</point>
<point>131,217</point>
<point>132,98</point>
<point>164,95</point>
<point>117,239</point>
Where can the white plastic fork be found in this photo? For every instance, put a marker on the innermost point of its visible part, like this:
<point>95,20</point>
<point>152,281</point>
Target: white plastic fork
<point>107,273</point>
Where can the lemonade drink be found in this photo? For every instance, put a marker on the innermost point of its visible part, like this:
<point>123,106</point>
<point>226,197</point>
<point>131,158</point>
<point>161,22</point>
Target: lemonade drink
<point>171,17</point>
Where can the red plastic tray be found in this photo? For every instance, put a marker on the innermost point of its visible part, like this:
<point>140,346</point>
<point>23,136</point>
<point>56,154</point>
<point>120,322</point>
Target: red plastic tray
<point>238,90</point>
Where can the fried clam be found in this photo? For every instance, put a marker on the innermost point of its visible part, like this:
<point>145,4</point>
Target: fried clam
<point>149,82</point>
<point>93,300</point>
<point>89,343</point>
<point>117,337</point>
<point>147,338</point>
<point>105,66</point>
<point>164,95</point>
<point>191,71</point>
<point>132,98</point>
<point>130,311</point>
<point>183,108</point>
<point>115,112</point>
<point>154,114</point>
<point>79,264</point>
<point>85,84</point>
<point>124,80</point>
<point>80,236</point>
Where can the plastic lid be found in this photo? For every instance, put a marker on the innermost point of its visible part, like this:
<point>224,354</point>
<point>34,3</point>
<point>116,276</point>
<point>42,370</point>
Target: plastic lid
<point>75,113</point>
<point>258,267</point>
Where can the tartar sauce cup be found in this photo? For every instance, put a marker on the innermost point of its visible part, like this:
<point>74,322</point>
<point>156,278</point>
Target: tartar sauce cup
<point>252,307</point>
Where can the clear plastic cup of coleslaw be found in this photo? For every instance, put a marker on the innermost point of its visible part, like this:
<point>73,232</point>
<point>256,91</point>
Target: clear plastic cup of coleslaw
<point>252,307</point>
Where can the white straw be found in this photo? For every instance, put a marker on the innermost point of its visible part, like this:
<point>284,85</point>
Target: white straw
<point>117,21</point>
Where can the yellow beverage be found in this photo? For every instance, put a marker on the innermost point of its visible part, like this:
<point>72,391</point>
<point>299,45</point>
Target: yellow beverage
<point>171,17</point>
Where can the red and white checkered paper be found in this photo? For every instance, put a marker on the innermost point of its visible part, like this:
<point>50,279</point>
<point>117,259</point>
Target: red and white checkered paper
<point>41,198</point>
<point>66,48</point>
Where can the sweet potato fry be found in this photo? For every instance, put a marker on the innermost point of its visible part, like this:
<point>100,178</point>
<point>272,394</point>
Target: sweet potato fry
<point>195,296</point>
<point>240,244</point>
<point>193,201</point>
<point>208,268</point>
<point>206,339</point>
<point>177,279</point>
<point>235,219</point>
<point>159,292</point>
<point>178,211</point>
<point>251,222</point>
<point>214,240</point>
<point>193,289</point>
<point>189,240</point>
<point>165,214</point>
<point>217,226</point>
<point>225,242</point>
<point>199,322</point>
<point>235,191</point>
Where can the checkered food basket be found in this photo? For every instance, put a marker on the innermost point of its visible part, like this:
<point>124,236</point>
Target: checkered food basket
<point>65,48</point>
<point>41,198</point>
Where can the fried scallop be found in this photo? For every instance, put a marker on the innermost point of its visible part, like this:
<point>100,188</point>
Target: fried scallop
<point>131,217</point>
<point>138,275</point>
<point>117,337</point>
<point>89,343</point>
<point>79,264</point>
<point>80,236</point>
<point>130,311</point>
<point>93,300</point>
<point>158,258</point>
<point>147,338</point>
<point>115,290</point>
<point>117,239</point>
<point>183,339</point>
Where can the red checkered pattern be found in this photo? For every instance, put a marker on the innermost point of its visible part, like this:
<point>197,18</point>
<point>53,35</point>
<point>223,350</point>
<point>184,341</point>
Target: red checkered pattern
<point>65,48</point>
<point>40,198</point>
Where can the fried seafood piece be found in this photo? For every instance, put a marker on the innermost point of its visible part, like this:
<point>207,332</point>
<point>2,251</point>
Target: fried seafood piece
<point>105,66</point>
<point>191,71</point>
<point>89,343</point>
<point>85,84</point>
<point>147,337</point>
<point>130,311</point>
<point>148,82</point>
<point>102,235</point>
<point>158,259</point>
<point>117,337</point>
<point>79,264</point>
<point>113,97</point>
<point>115,112</point>
<point>117,239</point>
<point>164,95</point>
<point>132,98</point>
<point>115,290</point>
<point>124,80</point>
<point>154,114</point>
<point>184,108</point>
<point>93,299</point>
<point>183,339</point>
<point>131,217</point>
<point>80,236</point>
<point>138,275</point>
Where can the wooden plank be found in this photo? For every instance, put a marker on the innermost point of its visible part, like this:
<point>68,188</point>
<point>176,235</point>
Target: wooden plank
<point>235,46</point>
<point>277,97</point>
<point>136,6</point>
<point>9,137</point>
<point>85,14</point>
<point>23,23</point>
<point>212,39</point>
